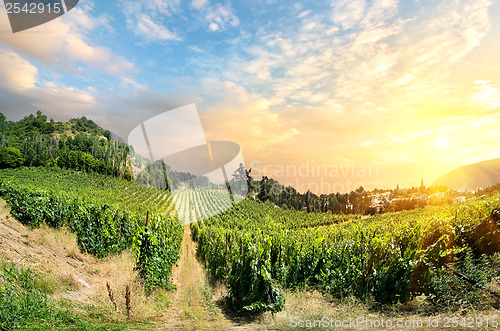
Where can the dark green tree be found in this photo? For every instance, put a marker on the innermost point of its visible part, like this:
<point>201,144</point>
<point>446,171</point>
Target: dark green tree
<point>10,157</point>
<point>239,181</point>
<point>263,193</point>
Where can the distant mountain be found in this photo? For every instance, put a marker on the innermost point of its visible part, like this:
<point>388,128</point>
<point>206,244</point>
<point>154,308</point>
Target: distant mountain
<point>481,174</point>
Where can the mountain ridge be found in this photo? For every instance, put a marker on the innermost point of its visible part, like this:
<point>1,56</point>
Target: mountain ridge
<point>480,174</point>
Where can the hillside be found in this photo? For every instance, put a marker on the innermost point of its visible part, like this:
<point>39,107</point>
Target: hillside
<point>323,264</point>
<point>481,174</point>
<point>79,144</point>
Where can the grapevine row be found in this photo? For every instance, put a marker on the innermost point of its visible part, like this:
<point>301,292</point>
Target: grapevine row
<point>256,249</point>
<point>101,228</point>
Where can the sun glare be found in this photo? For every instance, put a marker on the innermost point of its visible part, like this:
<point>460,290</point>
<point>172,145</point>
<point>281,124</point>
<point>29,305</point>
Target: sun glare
<point>442,142</point>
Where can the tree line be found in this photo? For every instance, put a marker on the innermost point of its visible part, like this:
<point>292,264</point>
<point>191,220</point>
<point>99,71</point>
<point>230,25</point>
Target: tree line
<point>268,189</point>
<point>79,144</point>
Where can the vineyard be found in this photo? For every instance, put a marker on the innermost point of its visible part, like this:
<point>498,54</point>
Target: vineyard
<point>107,214</point>
<point>449,253</point>
<point>95,187</point>
<point>194,205</point>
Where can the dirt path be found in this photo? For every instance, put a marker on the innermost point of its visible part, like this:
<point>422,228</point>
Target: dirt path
<point>194,304</point>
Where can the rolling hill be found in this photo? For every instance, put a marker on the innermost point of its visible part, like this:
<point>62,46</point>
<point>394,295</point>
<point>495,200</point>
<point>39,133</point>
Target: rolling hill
<point>481,174</point>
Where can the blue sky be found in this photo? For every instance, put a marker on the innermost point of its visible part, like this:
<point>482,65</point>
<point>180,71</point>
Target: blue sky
<point>410,86</point>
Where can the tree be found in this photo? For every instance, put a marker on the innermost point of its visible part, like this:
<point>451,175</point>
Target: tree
<point>422,186</point>
<point>107,134</point>
<point>263,194</point>
<point>239,181</point>
<point>10,157</point>
<point>78,160</point>
<point>165,174</point>
<point>251,184</point>
<point>308,198</point>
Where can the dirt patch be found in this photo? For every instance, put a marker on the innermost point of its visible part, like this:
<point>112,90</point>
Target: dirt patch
<point>194,301</point>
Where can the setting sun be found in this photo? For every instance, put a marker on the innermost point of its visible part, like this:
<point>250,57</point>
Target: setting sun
<point>442,142</point>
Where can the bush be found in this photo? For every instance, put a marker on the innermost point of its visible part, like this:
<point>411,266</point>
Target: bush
<point>448,290</point>
<point>10,157</point>
<point>77,160</point>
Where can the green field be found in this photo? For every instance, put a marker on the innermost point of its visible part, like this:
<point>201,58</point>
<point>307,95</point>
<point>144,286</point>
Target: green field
<point>94,187</point>
<point>108,215</point>
<point>449,253</point>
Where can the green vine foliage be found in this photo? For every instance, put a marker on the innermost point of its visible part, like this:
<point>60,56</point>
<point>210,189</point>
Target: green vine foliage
<point>102,229</point>
<point>256,249</point>
<point>156,249</point>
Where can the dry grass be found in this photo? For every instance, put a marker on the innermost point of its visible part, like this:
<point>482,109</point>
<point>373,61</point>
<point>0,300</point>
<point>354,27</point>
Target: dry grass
<point>66,273</point>
<point>313,306</point>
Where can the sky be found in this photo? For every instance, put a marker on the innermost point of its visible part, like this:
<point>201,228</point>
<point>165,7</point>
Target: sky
<point>326,95</point>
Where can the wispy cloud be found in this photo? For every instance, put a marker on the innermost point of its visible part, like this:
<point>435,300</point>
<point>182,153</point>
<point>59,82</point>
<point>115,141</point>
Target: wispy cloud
<point>312,62</point>
<point>146,19</point>
<point>216,16</point>
<point>152,31</point>
<point>348,13</point>
<point>486,95</point>
<point>333,81</point>
<point>198,4</point>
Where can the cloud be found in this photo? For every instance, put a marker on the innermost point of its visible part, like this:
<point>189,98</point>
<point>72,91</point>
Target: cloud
<point>348,13</point>
<point>144,19</point>
<point>165,7</point>
<point>244,118</point>
<point>151,31</point>
<point>487,95</point>
<point>22,93</point>
<point>198,4</point>
<point>217,17</point>
<point>381,56</point>
<point>16,73</point>
<point>64,43</point>
<point>85,19</point>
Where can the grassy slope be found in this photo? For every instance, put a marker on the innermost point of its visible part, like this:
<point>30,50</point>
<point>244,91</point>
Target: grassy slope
<point>42,277</point>
<point>97,187</point>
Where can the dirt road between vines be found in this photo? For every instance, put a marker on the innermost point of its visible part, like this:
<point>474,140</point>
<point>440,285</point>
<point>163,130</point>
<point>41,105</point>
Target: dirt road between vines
<point>196,304</point>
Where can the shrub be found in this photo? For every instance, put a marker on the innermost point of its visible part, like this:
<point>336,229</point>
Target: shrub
<point>10,157</point>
